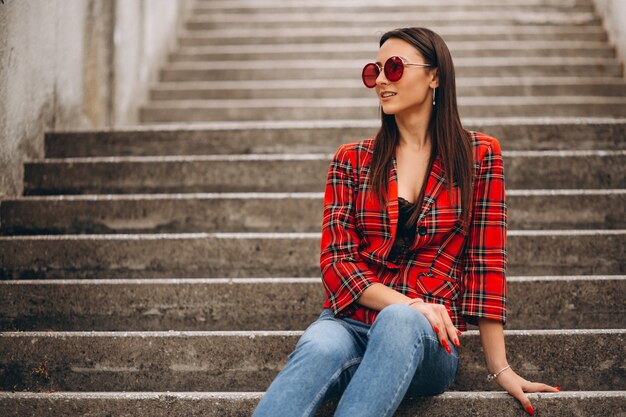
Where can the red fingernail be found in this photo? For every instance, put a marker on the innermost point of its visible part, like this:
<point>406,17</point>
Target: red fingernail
<point>446,346</point>
<point>457,343</point>
<point>436,329</point>
<point>558,388</point>
<point>530,410</point>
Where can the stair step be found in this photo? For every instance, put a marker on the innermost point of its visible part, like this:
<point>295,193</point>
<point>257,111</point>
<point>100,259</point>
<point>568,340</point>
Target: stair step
<point>282,52</point>
<point>222,20</point>
<point>300,212</point>
<point>553,252</point>
<point>248,361</point>
<point>266,172</point>
<point>255,6</point>
<point>372,34</point>
<point>341,88</point>
<point>321,136</point>
<point>307,69</point>
<point>366,51</point>
<point>404,8</point>
<point>345,108</point>
<point>583,302</point>
<point>237,404</point>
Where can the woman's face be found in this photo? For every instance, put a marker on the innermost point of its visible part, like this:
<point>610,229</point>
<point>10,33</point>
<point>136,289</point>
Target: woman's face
<point>413,91</point>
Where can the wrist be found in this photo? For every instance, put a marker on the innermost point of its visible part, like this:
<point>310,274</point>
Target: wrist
<point>494,375</point>
<point>411,301</point>
<point>494,367</point>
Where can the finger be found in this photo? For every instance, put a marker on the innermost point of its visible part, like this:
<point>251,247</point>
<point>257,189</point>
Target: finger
<point>539,387</point>
<point>519,395</point>
<point>452,331</point>
<point>440,311</point>
<point>435,321</point>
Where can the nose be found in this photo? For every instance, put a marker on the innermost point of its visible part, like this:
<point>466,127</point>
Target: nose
<point>382,79</point>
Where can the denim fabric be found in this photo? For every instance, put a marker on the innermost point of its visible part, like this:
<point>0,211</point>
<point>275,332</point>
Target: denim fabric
<point>370,368</point>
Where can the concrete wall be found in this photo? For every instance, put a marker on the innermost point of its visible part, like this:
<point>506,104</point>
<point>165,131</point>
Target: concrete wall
<point>613,13</point>
<point>68,64</point>
<point>144,33</point>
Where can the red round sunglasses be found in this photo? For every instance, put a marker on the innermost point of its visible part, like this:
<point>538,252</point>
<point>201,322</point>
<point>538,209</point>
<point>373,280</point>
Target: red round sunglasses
<point>394,68</point>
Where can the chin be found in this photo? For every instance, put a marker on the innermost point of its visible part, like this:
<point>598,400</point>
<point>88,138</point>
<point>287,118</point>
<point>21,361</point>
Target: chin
<point>390,110</point>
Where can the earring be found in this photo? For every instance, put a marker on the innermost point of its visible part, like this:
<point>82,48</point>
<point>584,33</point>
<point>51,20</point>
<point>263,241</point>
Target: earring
<point>434,88</point>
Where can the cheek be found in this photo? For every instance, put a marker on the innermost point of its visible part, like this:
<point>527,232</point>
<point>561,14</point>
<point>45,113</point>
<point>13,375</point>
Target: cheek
<point>410,96</point>
<point>413,87</point>
<point>417,94</point>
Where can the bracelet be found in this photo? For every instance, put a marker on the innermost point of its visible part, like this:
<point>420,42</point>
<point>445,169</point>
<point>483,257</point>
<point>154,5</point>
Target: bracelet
<point>413,301</point>
<point>491,377</point>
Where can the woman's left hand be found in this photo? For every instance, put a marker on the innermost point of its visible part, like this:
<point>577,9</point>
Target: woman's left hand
<point>517,386</point>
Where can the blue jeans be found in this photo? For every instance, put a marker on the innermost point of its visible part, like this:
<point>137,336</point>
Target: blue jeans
<point>370,367</point>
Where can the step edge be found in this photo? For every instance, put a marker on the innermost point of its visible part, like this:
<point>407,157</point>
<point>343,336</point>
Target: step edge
<point>271,333</point>
<point>270,280</point>
<point>273,235</point>
<point>258,394</point>
<point>138,197</point>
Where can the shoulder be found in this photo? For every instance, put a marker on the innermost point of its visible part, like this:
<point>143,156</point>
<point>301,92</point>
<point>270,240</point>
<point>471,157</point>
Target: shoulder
<point>484,145</point>
<point>360,152</point>
<point>357,153</point>
<point>365,145</point>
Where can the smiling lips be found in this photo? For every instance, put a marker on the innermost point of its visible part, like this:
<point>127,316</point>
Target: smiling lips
<point>387,94</point>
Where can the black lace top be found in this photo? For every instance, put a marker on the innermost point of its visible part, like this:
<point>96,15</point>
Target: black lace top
<point>405,233</point>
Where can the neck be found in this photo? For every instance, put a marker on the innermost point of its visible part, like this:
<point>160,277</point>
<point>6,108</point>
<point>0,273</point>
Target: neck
<point>413,129</point>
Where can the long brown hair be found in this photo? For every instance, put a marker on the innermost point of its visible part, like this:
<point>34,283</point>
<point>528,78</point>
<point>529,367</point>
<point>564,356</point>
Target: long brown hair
<point>449,139</point>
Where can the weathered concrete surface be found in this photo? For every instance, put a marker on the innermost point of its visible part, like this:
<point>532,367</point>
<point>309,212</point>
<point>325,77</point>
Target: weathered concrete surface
<point>256,212</point>
<point>346,68</point>
<point>248,361</point>
<point>345,108</point>
<point>323,136</point>
<point>363,50</point>
<point>613,13</point>
<point>339,88</point>
<point>514,6</point>
<point>237,36</point>
<point>307,172</point>
<point>63,67</point>
<point>222,404</point>
<point>450,17</point>
<point>576,302</point>
<point>549,252</point>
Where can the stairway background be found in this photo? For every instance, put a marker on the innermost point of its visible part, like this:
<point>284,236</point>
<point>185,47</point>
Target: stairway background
<point>170,269</point>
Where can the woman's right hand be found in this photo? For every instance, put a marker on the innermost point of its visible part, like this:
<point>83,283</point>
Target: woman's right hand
<point>442,324</point>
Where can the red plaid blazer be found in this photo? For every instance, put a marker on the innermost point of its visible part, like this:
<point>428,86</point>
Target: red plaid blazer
<point>445,264</point>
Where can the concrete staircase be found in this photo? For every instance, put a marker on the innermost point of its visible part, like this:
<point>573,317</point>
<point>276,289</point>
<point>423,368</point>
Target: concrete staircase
<point>169,270</point>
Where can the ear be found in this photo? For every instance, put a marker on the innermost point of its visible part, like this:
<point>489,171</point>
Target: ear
<point>434,78</point>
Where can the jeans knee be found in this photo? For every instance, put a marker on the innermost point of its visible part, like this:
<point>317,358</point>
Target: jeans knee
<point>322,351</point>
<point>402,318</point>
<point>323,346</point>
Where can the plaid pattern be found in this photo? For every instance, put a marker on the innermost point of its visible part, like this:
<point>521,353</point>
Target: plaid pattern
<point>445,264</point>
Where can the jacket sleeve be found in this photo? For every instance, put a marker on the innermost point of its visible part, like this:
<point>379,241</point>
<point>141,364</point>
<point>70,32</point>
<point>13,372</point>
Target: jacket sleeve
<point>344,275</point>
<point>484,280</point>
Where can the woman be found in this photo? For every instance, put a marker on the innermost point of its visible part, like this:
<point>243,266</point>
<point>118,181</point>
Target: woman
<point>413,247</point>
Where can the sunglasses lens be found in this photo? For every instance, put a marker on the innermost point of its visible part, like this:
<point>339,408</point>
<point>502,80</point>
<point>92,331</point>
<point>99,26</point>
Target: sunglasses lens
<point>394,67</point>
<point>369,75</point>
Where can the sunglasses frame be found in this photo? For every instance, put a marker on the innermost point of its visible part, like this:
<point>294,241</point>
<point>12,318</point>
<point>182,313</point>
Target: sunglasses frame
<point>387,71</point>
